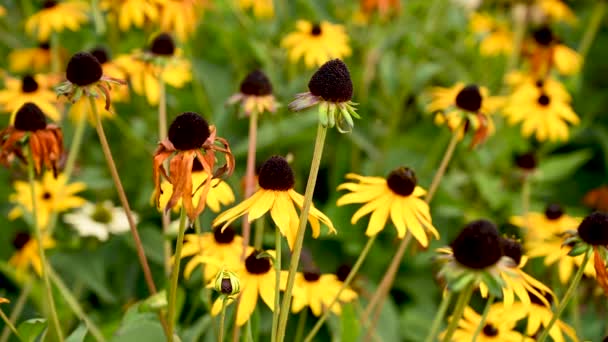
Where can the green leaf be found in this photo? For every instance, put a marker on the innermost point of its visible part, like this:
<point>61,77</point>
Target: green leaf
<point>350,324</point>
<point>155,302</point>
<point>494,285</point>
<point>578,249</point>
<point>33,329</point>
<point>78,335</point>
<point>559,167</point>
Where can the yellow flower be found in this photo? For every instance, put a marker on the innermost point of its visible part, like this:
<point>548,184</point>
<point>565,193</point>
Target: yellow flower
<point>56,17</point>
<point>257,278</point>
<point>181,16</point>
<point>550,223</point>
<point>53,195</point>
<point>31,88</point>
<point>276,194</point>
<point>26,253</point>
<point>398,196</point>
<point>557,10</point>
<point>255,94</point>
<point>496,328</point>
<point>34,59</point>
<point>133,12</point>
<point>317,43</point>
<point>541,113</point>
<point>4,300</point>
<point>545,51</point>
<point>2,14</point>
<point>317,291</point>
<point>217,250</point>
<point>261,8</point>
<point>524,83</point>
<point>496,38</point>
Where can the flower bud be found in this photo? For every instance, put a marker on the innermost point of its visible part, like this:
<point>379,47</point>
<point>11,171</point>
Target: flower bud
<point>227,283</point>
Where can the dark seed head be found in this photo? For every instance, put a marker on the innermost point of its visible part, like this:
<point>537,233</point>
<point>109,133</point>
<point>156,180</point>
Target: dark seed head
<point>163,45</point>
<point>102,54</point>
<point>544,36</point>
<point>255,265</point>
<point>539,83</point>
<point>197,166</point>
<point>83,69</point>
<point>469,98</point>
<point>594,229</point>
<point>28,84</point>
<point>605,339</point>
<point>343,272</point>
<point>21,239</point>
<point>543,100</point>
<point>311,276</point>
<point>402,181</point>
<point>316,30</point>
<point>478,245</point>
<point>512,249</point>
<point>226,287</point>
<point>276,174</point>
<point>49,4</point>
<point>332,82</point>
<point>490,330</point>
<point>526,161</point>
<point>29,118</point>
<point>225,237</point>
<point>47,196</point>
<point>44,46</point>
<point>554,211</point>
<point>256,84</point>
<point>188,131</point>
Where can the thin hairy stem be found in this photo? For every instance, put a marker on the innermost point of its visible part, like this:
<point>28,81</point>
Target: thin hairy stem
<point>9,324</point>
<point>277,286</point>
<point>250,175</point>
<point>175,273</point>
<point>220,337</point>
<point>463,300</point>
<point>17,309</point>
<point>439,315</point>
<point>593,26</point>
<point>484,317</point>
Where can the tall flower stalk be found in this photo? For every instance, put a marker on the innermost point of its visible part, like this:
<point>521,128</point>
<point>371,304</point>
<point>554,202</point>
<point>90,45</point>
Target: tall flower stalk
<point>250,178</point>
<point>463,300</point>
<point>277,285</point>
<point>175,275</point>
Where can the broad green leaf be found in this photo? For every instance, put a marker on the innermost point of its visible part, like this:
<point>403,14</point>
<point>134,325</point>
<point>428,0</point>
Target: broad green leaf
<point>351,326</point>
<point>78,335</point>
<point>559,167</point>
<point>33,329</point>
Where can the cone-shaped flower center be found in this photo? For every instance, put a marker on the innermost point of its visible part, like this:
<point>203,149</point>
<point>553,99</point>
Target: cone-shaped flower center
<point>28,84</point>
<point>512,249</point>
<point>276,174</point>
<point>21,239</point>
<point>478,245</point>
<point>544,36</point>
<point>257,84</point>
<point>490,330</point>
<point>83,69</point>
<point>332,82</point>
<point>102,55</point>
<point>255,265</point>
<point>316,30</point>
<point>225,237</point>
<point>469,98</point>
<point>44,46</point>
<point>402,181</point>
<point>101,214</point>
<point>49,4</point>
<point>226,287</point>
<point>543,100</point>
<point>526,161</point>
<point>163,45</point>
<point>188,131</point>
<point>311,276</point>
<point>29,118</point>
<point>554,211</point>
<point>343,272</point>
<point>594,229</point>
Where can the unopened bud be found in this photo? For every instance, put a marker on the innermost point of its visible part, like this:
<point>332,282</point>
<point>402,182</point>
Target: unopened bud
<point>227,283</point>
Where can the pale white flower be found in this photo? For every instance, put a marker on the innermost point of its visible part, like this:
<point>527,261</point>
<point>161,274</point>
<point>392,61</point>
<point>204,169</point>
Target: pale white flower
<point>99,220</point>
<point>469,5</point>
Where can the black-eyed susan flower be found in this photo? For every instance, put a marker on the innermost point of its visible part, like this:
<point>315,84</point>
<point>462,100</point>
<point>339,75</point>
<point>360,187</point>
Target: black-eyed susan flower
<point>53,195</point>
<point>332,89</point>
<point>317,43</point>
<point>545,51</point>
<point>85,76</point>
<point>132,12</point>
<point>556,10</point>
<point>397,196</point>
<point>317,291</point>
<point>190,137</point>
<point>56,16</point>
<point>257,279</point>
<point>222,248</point>
<point>26,253</point>
<point>276,195</point>
<point>526,162</point>
<point>495,329</point>
<point>524,83</point>
<point>30,88</point>
<point>30,59</point>
<point>45,140</point>
<point>99,220</point>
<point>495,36</point>
<point>255,94</point>
<point>261,8</point>
<point>539,225</point>
<point>181,16</point>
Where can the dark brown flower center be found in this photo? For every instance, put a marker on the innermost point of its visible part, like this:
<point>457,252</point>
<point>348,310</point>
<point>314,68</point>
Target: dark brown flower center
<point>163,45</point>
<point>554,211</point>
<point>223,237</point>
<point>47,195</point>
<point>49,4</point>
<point>544,36</point>
<point>44,46</point>
<point>526,161</point>
<point>255,265</point>
<point>402,181</point>
<point>332,82</point>
<point>102,54</point>
<point>316,30</point>
<point>539,83</point>
<point>188,131</point>
<point>543,100</point>
<point>512,249</point>
<point>21,239</point>
<point>276,174</point>
<point>594,229</point>
<point>226,287</point>
<point>256,84</point>
<point>29,84</point>
<point>490,330</point>
<point>343,272</point>
<point>478,245</point>
<point>469,98</point>
<point>311,276</point>
<point>83,69</point>
<point>29,118</point>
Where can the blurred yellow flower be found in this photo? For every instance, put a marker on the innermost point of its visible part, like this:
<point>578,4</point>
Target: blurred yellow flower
<point>181,16</point>
<point>496,328</point>
<point>30,88</point>
<point>495,36</point>
<point>33,59</point>
<point>545,51</point>
<point>53,195</point>
<point>261,8</point>
<point>553,221</point>
<point>57,16</point>
<point>2,14</point>
<point>217,250</point>
<point>556,10</point>
<point>524,83</point>
<point>317,43</point>
<point>26,253</point>
<point>132,12</point>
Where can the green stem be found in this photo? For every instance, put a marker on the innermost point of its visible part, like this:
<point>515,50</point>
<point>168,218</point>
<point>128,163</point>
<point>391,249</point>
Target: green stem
<point>175,273</point>
<point>55,54</point>
<point>259,233</point>
<point>75,306</point>
<point>297,250</point>
<point>17,309</point>
<point>277,286</point>
<point>519,32</point>
<point>100,25</point>
<point>222,321</point>
<point>576,313</point>
<point>564,301</point>
<point>347,282</point>
<point>439,315</point>
<point>250,175</point>
<point>75,146</point>
<point>484,317</point>
<point>447,156</point>
<point>525,200</point>
<point>592,28</point>
<point>9,324</point>
<point>162,134</point>
<point>40,238</point>
<point>463,300</point>
<point>301,325</point>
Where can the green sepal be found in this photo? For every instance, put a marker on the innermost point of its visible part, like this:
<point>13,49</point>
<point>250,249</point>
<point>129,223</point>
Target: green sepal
<point>579,249</point>
<point>461,281</point>
<point>494,284</point>
<point>323,119</point>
